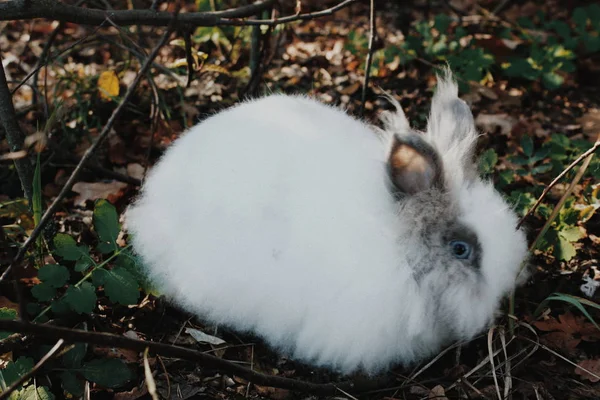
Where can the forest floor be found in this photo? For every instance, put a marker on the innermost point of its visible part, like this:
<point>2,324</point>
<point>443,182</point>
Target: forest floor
<point>532,126</point>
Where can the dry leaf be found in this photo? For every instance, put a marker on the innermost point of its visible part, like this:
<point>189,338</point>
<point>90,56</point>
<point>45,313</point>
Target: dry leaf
<point>204,337</point>
<point>567,331</point>
<point>438,393</point>
<point>590,123</point>
<point>591,365</point>
<point>108,85</point>
<point>272,393</point>
<point>490,122</point>
<point>97,190</point>
<point>14,155</point>
<point>135,170</point>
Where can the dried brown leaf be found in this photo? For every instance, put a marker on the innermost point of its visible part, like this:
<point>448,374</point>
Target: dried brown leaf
<point>592,366</point>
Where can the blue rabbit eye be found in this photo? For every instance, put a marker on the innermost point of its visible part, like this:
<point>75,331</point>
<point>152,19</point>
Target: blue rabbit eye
<point>460,249</point>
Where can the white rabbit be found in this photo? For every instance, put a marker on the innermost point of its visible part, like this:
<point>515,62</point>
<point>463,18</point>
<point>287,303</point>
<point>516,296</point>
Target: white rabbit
<point>343,247</point>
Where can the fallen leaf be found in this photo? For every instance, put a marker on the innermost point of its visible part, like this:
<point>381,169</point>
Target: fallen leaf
<point>271,392</point>
<point>97,190</point>
<point>203,337</point>
<point>108,85</point>
<point>591,365</point>
<point>590,123</point>
<point>437,393</point>
<point>135,170</point>
<point>490,122</point>
<point>567,331</point>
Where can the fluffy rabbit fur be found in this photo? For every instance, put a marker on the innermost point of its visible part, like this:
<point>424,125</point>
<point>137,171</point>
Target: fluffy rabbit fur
<point>342,246</point>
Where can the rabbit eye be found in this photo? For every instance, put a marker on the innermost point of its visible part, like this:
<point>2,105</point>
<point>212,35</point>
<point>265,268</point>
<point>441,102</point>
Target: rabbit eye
<point>460,249</point>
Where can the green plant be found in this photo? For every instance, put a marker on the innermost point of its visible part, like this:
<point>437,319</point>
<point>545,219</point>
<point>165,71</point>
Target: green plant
<point>74,286</point>
<point>536,164</point>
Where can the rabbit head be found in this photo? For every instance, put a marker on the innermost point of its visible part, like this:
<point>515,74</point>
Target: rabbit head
<point>463,244</point>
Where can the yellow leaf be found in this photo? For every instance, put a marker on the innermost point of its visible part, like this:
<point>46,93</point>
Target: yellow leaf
<point>108,85</point>
<point>215,68</point>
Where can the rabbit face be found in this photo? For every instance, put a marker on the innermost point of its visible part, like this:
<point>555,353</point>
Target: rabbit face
<point>464,249</point>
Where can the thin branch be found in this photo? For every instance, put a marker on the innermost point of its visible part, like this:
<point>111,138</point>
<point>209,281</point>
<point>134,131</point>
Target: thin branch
<point>31,373</point>
<point>207,360</point>
<point>591,150</point>
<point>299,17</point>
<point>51,9</point>
<point>372,33</point>
<point>14,135</point>
<point>86,157</point>
<point>59,11</point>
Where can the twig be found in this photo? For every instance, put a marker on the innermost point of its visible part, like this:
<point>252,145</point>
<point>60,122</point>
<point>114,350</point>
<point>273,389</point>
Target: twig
<point>41,62</point>
<point>590,151</point>
<point>88,154</point>
<point>15,136</point>
<point>299,17</point>
<point>29,374</point>
<point>50,9</point>
<point>107,339</point>
<point>369,61</point>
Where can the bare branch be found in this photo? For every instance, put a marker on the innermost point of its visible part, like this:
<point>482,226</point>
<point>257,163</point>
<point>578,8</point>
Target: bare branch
<point>207,360</point>
<point>372,33</point>
<point>51,9</point>
<point>59,11</point>
<point>14,135</point>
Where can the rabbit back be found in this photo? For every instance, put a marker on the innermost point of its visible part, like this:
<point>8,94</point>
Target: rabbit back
<point>275,217</point>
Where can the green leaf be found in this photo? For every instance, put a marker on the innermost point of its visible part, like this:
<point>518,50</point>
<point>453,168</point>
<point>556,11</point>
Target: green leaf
<point>16,369</point>
<point>580,18</point>
<point>81,299</point>
<point>67,248</point>
<point>74,357</point>
<point>520,67</point>
<point>109,373</point>
<point>71,384</point>
<point>43,292</point>
<point>552,80</point>
<point>119,285</point>
<point>564,249</point>
<point>54,275</point>
<point>83,264</point>
<point>10,314</point>
<point>488,161</point>
<point>60,307</point>
<point>561,140</point>
<point>106,224</point>
<point>441,23</point>
<point>572,234</point>
<point>591,43</point>
<point>527,145</point>
<point>33,392</point>
<point>541,169</point>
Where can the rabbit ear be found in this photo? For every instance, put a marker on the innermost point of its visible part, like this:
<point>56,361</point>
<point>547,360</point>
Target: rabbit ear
<point>414,165</point>
<point>451,126</point>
